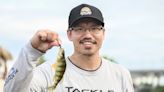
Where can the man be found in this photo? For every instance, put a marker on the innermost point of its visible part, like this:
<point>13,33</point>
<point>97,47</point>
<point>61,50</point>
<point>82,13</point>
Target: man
<point>85,70</point>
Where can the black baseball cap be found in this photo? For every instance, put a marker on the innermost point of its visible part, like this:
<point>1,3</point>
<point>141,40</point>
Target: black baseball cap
<point>85,11</point>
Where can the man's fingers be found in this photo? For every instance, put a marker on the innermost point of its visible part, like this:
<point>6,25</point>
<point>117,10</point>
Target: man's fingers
<point>56,42</point>
<point>52,36</point>
<point>42,35</point>
<point>44,40</point>
<point>48,36</point>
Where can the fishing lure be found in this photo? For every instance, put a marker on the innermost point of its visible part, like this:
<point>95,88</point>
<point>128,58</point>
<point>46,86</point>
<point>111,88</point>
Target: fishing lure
<point>60,67</point>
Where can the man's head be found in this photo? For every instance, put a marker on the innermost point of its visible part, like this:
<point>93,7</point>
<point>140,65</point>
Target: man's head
<point>85,11</point>
<point>86,29</point>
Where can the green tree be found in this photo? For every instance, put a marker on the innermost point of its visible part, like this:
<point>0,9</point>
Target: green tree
<point>109,58</point>
<point>158,89</point>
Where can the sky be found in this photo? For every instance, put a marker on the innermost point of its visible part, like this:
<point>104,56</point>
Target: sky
<point>134,28</point>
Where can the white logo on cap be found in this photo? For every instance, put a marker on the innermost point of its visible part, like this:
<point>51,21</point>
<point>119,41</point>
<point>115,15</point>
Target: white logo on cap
<point>85,11</point>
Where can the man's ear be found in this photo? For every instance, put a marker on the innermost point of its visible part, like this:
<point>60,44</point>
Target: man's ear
<point>103,33</point>
<point>69,34</point>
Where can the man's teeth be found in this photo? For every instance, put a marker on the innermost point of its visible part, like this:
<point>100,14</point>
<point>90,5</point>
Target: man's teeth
<point>87,43</point>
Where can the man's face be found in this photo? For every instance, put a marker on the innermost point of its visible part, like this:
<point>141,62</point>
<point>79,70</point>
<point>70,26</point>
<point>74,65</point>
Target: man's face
<point>87,37</point>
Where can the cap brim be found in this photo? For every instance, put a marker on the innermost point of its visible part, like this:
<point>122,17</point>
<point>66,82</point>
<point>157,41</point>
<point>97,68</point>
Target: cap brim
<point>80,18</point>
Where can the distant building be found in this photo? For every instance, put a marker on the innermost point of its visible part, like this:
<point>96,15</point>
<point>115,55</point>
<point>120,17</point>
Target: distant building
<point>151,78</point>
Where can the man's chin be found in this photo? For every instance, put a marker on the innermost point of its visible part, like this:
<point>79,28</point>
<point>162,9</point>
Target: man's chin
<point>88,53</point>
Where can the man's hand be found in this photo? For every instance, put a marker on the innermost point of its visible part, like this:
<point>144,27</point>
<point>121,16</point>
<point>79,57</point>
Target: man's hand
<point>44,40</point>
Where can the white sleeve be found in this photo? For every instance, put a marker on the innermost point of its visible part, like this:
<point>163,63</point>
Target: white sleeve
<point>21,74</point>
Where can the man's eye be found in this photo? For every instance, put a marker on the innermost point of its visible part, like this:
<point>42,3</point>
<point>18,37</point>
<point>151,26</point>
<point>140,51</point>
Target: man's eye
<point>94,28</point>
<point>80,29</point>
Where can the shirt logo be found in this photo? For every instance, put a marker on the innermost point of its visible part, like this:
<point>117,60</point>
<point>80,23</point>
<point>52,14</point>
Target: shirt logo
<point>72,89</point>
<point>12,74</point>
<point>85,11</point>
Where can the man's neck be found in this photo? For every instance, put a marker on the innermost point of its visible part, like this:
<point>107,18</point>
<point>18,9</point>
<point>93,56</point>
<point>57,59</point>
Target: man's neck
<point>86,62</point>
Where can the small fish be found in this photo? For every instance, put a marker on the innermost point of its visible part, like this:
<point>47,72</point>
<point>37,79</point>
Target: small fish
<point>60,67</point>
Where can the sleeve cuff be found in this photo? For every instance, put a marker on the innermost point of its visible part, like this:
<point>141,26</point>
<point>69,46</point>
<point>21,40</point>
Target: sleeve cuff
<point>33,53</point>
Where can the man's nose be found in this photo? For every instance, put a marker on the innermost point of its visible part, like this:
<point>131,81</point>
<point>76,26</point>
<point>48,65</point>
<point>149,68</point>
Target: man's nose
<point>88,33</point>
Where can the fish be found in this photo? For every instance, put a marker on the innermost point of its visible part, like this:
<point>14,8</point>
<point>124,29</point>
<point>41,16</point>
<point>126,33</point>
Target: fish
<point>60,67</point>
